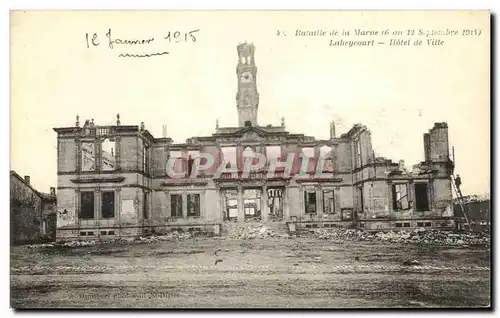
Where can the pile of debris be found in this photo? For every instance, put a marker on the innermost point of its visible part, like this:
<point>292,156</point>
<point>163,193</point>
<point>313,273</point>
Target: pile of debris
<point>253,231</point>
<point>171,236</point>
<point>63,244</point>
<point>435,237</point>
<point>417,236</point>
<point>340,235</point>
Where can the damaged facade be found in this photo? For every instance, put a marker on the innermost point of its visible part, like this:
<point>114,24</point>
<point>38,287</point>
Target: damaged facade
<point>114,180</point>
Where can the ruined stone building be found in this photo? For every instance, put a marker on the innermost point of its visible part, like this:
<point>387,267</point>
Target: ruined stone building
<point>32,213</point>
<point>115,180</point>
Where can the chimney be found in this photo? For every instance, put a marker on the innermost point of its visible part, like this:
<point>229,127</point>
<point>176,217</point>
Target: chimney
<point>27,179</point>
<point>332,130</point>
<point>164,131</point>
<point>52,191</point>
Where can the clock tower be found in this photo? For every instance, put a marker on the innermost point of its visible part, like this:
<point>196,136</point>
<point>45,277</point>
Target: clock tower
<point>247,98</point>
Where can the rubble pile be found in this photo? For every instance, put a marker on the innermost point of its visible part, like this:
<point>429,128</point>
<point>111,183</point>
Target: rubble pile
<point>417,236</point>
<point>65,244</point>
<point>171,236</point>
<point>253,231</point>
<point>260,231</point>
<point>341,235</point>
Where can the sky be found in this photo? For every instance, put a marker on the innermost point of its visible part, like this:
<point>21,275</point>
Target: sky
<point>397,92</point>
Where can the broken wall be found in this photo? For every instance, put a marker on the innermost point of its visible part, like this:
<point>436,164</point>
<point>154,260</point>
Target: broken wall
<point>129,153</point>
<point>438,143</point>
<point>25,213</point>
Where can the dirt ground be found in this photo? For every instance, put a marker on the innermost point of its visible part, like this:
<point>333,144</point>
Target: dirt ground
<point>282,273</point>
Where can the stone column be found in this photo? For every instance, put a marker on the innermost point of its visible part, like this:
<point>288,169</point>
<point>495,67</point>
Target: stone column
<point>117,153</point>
<point>302,203</point>
<point>221,205</point>
<point>239,158</point>
<point>184,204</point>
<point>264,208</point>
<point>336,196</point>
<point>286,207</point>
<point>319,202</point>
<point>78,208</point>
<point>118,206</point>
<point>389,197</point>
<point>241,205</point>
<point>184,160</point>
<point>165,208</point>
<point>97,206</point>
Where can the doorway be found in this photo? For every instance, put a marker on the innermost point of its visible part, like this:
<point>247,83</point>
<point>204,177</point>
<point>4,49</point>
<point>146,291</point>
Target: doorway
<point>252,204</point>
<point>275,203</point>
<point>230,210</point>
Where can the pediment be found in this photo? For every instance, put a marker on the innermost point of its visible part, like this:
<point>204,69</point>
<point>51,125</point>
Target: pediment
<point>251,133</point>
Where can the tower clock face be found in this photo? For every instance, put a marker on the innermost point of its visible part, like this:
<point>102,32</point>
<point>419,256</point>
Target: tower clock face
<point>246,77</point>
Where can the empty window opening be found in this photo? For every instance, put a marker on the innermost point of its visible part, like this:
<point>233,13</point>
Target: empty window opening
<point>273,153</point>
<point>361,206</point>
<point>357,145</point>
<point>400,197</point>
<point>328,202</point>
<point>307,155</point>
<point>90,233</point>
<point>399,225</point>
<point>310,201</point>
<point>176,205</point>
<point>175,161</point>
<point>420,224</point>
<point>87,205</point>
<point>249,156</point>
<point>108,148</point>
<point>193,204</point>
<point>361,225</point>
<point>308,152</point>
<point>421,197</point>
<point>145,207</point>
<point>325,152</point>
<point>406,224</point>
<point>83,233</point>
<point>192,155</point>
<point>88,156</point>
<point>275,203</point>
<point>428,224</point>
<point>229,156</point>
<point>108,204</point>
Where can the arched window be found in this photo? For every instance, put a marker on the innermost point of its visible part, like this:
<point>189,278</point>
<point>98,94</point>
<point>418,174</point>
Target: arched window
<point>308,152</point>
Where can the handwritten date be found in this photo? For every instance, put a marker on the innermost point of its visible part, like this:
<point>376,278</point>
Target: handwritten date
<point>111,42</point>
